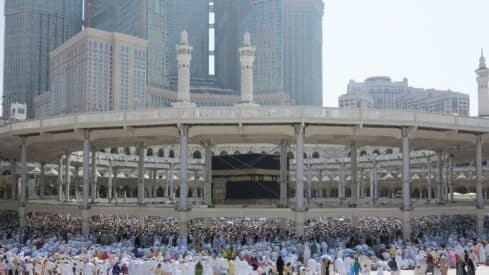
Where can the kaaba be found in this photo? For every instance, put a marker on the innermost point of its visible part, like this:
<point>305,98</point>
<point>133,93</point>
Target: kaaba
<point>246,176</point>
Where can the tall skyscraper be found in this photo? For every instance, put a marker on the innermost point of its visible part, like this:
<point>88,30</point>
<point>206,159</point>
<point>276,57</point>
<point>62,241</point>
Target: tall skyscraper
<point>288,39</point>
<point>33,28</point>
<point>192,16</point>
<point>231,22</point>
<point>160,22</point>
<point>146,19</point>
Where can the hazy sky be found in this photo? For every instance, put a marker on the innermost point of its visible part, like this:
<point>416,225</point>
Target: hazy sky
<point>434,43</point>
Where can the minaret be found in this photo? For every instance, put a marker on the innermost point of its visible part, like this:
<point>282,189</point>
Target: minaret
<point>184,56</point>
<point>246,58</point>
<point>482,82</point>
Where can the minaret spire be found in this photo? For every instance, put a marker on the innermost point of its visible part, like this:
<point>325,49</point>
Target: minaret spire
<point>184,56</point>
<point>246,58</point>
<point>482,60</point>
<point>482,86</point>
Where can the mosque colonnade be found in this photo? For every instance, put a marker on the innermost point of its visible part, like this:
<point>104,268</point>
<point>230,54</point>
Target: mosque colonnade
<point>42,140</point>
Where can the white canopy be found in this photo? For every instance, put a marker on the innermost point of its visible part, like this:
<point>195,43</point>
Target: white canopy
<point>121,176</point>
<point>52,172</point>
<point>36,170</point>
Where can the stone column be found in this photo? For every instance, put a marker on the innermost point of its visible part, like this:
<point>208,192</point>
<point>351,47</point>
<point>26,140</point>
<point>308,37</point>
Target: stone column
<point>299,224</point>
<point>406,225</point>
<point>183,167</point>
<point>283,173</point>
<point>430,173</point>
<point>406,172</point>
<point>208,174</point>
<point>60,179</point>
<point>86,181</point>
<point>478,170</point>
<point>354,220</point>
<point>42,181</point>
<point>115,191</point>
<point>372,199</point>
<point>440,178</point>
<point>376,182</point>
<point>183,219</point>
<point>341,182</point>
<point>309,183</point>
<point>299,169</point>
<point>86,169</point>
<point>170,181</point>
<point>109,183</point>
<point>165,190</point>
<point>141,173</point>
<point>93,177</point>
<point>354,178</point>
<point>450,178</point>
<point>23,172</point>
<point>13,166</point>
<point>196,180</point>
<point>141,220</point>
<point>67,176</point>
<point>360,185</point>
<point>445,181</point>
<point>154,189</point>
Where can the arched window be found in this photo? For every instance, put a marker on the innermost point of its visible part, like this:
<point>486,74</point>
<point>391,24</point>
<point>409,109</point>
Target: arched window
<point>315,155</point>
<point>102,150</point>
<point>237,153</point>
<point>376,152</point>
<point>171,154</point>
<point>363,153</point>
<point>388,151</point>
<point>197,155</point>
<point>290,155</point>
<point>349,154</point>
<point>149,152</point>
<point>161,153</point>
<point>128,151</point>
<point>113,150</point>
<point>224,153</point>
<point>305,155</point>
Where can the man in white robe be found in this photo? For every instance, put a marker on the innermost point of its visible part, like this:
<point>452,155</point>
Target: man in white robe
<point>340,266</point>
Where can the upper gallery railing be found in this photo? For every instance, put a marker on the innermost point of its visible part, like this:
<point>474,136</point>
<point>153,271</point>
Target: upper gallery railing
<point>261,114</point>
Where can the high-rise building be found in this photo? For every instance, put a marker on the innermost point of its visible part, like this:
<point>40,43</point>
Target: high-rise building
<point>33,29</point>
<point>192,16</point>
<point>288,38</point>
<point>383,93</point>
<point>160,22</point>
<point>146,19</point>
<point>231,22</point>
<point>96,71</point>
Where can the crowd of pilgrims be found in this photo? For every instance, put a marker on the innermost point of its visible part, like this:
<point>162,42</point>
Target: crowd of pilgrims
<point>53,244</point>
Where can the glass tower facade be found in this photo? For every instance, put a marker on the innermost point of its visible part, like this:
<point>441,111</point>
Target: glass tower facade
<point>33,29</point>
<point>193,16</point>
<point>287,35</point>
<point>160,22</point>
<point>231,22</point>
